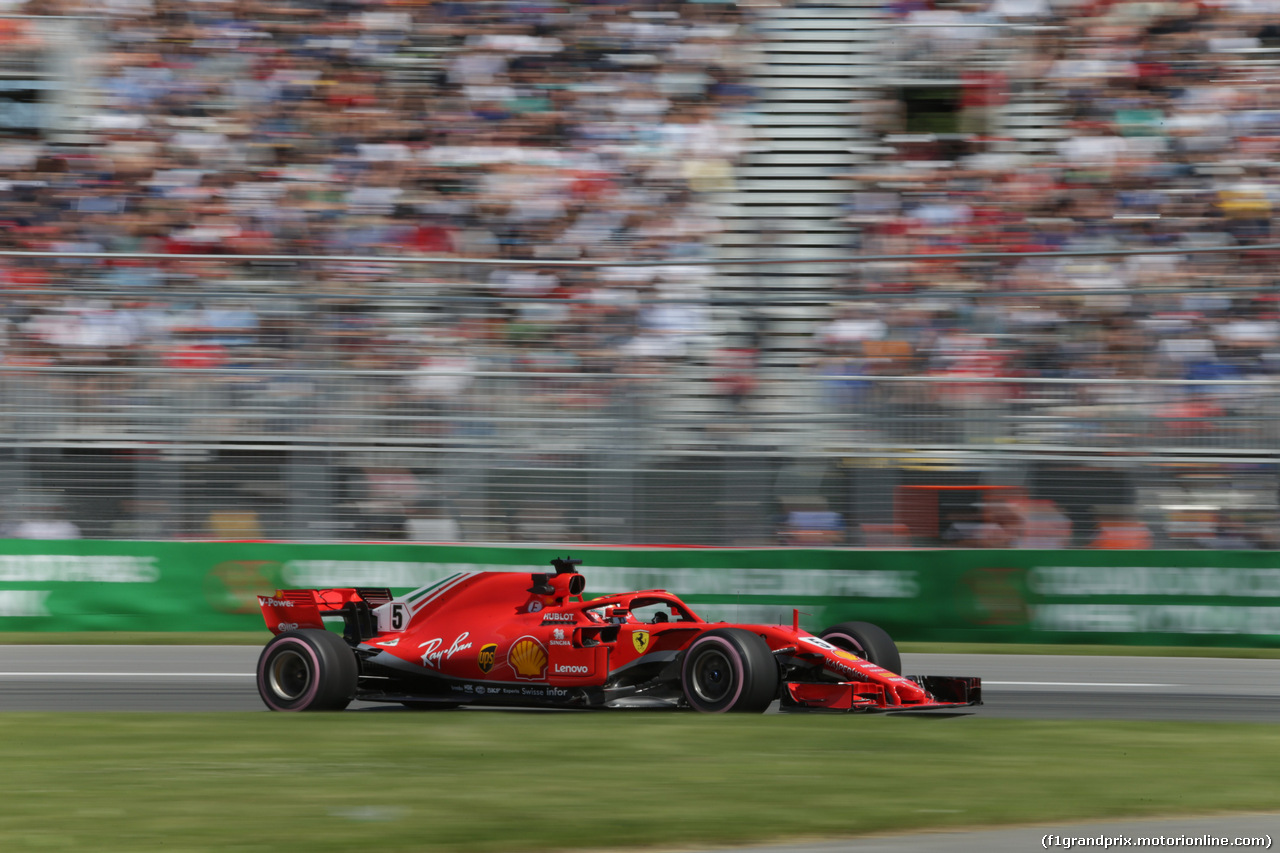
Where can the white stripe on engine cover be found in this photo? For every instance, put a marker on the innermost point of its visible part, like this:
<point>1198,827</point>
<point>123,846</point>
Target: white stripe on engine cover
<point>446,585</point>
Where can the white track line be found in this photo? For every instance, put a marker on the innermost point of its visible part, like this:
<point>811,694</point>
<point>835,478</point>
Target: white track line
<point>986,683</point>
<point>126,675</point>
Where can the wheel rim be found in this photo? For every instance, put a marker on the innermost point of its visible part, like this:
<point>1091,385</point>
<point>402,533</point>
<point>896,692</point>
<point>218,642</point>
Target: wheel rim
<point>289,675</point>
<point>712,676</point>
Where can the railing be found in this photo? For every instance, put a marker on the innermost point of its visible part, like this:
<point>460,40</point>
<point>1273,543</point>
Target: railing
<point>627,457</point>
<point>206,402</point>
<point>677,409</point>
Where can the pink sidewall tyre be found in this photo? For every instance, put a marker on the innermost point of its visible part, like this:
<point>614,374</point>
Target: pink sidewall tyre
<point>729,669</point>
<point>307,670</point>
<point>867,641</point>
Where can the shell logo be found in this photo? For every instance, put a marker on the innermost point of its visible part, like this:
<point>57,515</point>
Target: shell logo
<point>528,658</point>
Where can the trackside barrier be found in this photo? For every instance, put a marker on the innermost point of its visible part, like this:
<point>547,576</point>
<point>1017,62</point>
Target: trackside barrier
<point>1226,598</point>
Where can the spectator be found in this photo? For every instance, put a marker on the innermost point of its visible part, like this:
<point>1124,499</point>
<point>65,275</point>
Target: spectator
<point>44,518</point>
<point>1121,531</point>
<point>429,521</point>
<point>809,521</point>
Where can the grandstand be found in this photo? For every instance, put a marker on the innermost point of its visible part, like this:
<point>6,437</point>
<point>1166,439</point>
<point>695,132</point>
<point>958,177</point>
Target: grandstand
<point>654,273</point>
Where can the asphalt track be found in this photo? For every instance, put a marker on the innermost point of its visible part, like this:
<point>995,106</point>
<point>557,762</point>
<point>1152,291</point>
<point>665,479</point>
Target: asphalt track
<point>220,678</point>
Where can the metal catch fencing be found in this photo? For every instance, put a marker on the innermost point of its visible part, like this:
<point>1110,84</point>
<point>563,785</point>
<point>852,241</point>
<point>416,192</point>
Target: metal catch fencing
<point>371,398</point>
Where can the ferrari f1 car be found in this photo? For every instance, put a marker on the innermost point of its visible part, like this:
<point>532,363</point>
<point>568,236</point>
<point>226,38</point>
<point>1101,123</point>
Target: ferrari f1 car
<point>517,638</point>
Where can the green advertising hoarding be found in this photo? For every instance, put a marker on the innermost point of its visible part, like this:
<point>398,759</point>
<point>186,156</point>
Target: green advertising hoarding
<point>1141,597</point>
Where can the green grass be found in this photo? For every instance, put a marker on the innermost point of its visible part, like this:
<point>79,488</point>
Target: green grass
<point>506,781</point>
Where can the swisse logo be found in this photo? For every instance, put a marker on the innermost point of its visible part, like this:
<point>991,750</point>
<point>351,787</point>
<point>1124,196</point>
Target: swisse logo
<point>571,669</point>
<point>24,602</point>
<point>68,568</point>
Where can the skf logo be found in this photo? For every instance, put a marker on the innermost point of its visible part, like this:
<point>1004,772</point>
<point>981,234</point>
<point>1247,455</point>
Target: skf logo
<point>488,653</point>
<point>640,639</point>
<point>528,658</point>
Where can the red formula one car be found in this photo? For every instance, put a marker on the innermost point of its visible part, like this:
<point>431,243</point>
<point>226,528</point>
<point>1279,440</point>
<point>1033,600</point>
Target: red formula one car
<point>518,638</point>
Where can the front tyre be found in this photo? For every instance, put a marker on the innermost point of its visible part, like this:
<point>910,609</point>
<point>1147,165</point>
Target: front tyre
<point>867,641</point>
<point>307,670</point>
<point>729,669</point>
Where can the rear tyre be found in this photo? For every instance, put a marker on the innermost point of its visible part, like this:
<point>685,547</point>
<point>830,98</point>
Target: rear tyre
<point>307,670</point>
<point>867,641</point>
<point>729,669</point>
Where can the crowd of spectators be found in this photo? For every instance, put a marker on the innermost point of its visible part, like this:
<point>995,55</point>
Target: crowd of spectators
<point>546,132</point>
<point>1158,134</point>
<point>532,133</point>
<point>551,132</point>
<point>1167,131</point>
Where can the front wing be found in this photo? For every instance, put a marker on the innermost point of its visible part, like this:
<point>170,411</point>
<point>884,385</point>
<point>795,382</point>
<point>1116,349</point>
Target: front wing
<point>948,691</point>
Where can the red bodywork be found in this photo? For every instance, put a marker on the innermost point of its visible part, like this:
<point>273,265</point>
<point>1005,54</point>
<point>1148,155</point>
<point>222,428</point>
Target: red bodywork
<point>522,638</point>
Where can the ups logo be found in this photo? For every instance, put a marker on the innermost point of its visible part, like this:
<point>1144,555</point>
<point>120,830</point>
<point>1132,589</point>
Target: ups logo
<point>488,653</point>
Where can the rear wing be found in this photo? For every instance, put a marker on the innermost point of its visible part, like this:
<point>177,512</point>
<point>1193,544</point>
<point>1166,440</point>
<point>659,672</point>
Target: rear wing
<point>293,609</point>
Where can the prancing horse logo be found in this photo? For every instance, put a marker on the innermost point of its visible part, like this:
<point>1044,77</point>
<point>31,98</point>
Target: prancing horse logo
<point>640,639</point>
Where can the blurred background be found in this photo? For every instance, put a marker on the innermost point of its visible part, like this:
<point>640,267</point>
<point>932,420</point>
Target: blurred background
<point>641,272</point>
